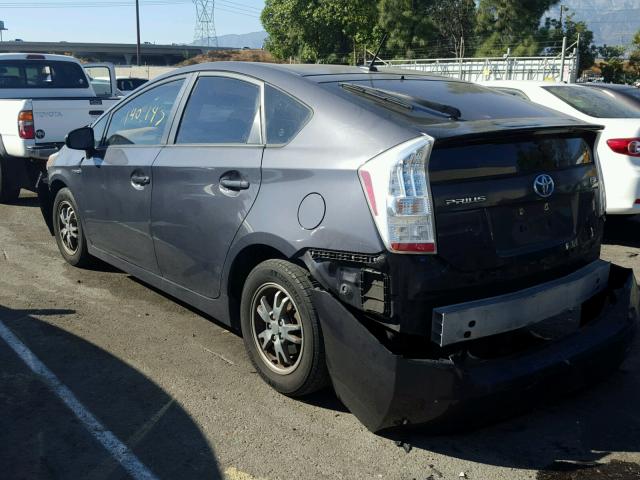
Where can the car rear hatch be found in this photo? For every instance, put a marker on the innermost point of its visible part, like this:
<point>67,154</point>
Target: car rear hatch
<point>505,191</point>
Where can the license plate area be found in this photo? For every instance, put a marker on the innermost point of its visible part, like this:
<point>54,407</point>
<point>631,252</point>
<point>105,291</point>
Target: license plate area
<point>516,227</point>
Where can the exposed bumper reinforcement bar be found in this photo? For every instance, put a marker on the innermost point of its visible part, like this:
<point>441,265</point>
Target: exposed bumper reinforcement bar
<point>490,316</point>
<point>386,390</point>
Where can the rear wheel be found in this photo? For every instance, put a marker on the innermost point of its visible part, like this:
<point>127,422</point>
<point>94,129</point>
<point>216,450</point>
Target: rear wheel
<point>68,230</point>
<point>9,192</point>
<point>281,330</point>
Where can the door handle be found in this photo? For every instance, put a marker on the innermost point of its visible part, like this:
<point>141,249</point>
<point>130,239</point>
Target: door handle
<point>234,182</point>
<point>140,180</point>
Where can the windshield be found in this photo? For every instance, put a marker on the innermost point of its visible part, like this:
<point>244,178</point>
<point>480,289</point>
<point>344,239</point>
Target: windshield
<point>594,103</point>
<point>41,74</point>
<point>473,102</point>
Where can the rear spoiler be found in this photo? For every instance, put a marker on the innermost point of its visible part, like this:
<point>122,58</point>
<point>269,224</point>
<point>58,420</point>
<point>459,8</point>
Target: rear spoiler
<point>451,132</point>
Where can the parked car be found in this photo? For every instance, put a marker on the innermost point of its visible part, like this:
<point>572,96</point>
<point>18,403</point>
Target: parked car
<point>430,245</point>
<point>128,84</point>
<point>617,146</point>
<point>42,98</point>
<point>623,93</point>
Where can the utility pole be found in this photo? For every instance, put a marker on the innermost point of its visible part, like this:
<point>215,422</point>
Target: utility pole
<point>562,58</point>
<point>577,60</point>
<point>561,12</point>
<point>138,32</point>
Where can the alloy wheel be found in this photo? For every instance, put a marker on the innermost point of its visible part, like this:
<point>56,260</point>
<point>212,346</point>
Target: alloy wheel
<point>277,328</point>
<point>68,227</point>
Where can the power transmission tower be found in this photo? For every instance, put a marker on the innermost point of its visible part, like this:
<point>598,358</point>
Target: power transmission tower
<point>205,32</point>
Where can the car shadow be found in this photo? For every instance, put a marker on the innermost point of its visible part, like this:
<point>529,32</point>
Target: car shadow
<point>579,429</point>
<point>325,398</point>
<point>42,438</point>
<point>29,200</point>
<point>623,231</point>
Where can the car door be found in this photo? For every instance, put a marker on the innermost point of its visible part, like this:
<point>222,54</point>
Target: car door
<point>117,180</point>
<point>206,179</point>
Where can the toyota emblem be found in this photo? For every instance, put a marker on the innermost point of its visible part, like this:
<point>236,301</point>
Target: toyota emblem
<point>544,185</point>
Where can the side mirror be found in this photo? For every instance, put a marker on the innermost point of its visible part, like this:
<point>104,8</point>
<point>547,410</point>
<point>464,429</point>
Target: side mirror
<point>81,139</point>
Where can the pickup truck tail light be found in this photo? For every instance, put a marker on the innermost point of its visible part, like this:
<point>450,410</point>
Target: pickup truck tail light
<point>625,146</point>
<point>26,130</point>
<point>396,185</point>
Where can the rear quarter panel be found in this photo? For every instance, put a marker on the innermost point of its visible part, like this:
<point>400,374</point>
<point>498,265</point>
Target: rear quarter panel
<point>322,159</point>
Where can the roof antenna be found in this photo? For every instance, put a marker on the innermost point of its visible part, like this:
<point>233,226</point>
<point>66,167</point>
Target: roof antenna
<point>372,67</point>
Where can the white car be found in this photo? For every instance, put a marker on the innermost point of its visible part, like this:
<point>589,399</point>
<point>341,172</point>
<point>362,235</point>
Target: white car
<point>617,146</point>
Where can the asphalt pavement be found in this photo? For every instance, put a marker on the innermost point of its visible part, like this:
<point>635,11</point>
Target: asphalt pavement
<point>102,371</point>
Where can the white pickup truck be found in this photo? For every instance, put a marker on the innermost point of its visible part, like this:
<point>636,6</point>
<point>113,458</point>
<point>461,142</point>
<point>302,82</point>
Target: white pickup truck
<point>42,98</point>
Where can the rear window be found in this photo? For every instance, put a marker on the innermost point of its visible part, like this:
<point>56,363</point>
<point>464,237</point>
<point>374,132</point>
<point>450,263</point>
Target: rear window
<point>632,92</point>
<point>41,74</point>
<point>128,84</point>
<point>508,157</point>
<point>473,101</point>
<point>594,103</point>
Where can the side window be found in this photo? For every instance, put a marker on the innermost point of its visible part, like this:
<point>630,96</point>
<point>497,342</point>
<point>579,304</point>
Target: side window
<point>221,110</point>
<point>98,129</point>
<point>285,115</point>
<point>142,120</point>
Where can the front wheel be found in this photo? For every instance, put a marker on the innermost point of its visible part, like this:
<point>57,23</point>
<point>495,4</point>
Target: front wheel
<point>281,330</point>
<point>68,231</point>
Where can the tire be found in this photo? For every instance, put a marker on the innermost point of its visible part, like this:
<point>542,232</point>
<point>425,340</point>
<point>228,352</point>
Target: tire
<point>8,193</point>
<point>304,369</point>
<point>66,223</point>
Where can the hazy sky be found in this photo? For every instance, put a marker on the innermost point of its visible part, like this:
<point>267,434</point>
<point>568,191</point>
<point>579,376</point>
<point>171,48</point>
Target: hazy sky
<point>161,21</point>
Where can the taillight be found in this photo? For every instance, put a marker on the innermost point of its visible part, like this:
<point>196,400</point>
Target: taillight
<point>26,129</point>
<point>625,146</point>
<point>396,186</point>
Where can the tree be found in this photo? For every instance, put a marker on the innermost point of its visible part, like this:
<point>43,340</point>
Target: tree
<point>455,22</point>
<point>354,22</point>
<point>282,19</point>
<point>510,23</point>
<point>408,23</point>
<point>634,57</point>
<point>318,30</point>
<point>613,66</point>
<point>552,32</point>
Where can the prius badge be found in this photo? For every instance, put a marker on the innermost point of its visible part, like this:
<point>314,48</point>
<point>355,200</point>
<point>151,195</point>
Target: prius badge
<point>544,185</point>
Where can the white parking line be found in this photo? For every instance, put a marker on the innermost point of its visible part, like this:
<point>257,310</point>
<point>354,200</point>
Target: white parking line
<point>109,441</point>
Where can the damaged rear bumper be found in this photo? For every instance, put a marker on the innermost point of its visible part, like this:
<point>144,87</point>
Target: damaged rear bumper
<point>386,390</point>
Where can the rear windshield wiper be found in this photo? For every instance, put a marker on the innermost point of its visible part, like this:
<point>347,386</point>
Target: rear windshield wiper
<point>405,101</point>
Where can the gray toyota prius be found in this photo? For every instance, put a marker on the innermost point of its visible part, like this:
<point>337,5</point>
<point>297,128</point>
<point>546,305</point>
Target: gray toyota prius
<point>427,246</point>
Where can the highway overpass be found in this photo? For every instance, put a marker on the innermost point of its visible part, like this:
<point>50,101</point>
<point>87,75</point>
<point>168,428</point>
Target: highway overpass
<point>118,53</point>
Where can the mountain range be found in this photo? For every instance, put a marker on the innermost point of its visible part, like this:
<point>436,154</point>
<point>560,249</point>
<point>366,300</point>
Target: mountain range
<point>613,22</point>
<point>251,40</point>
